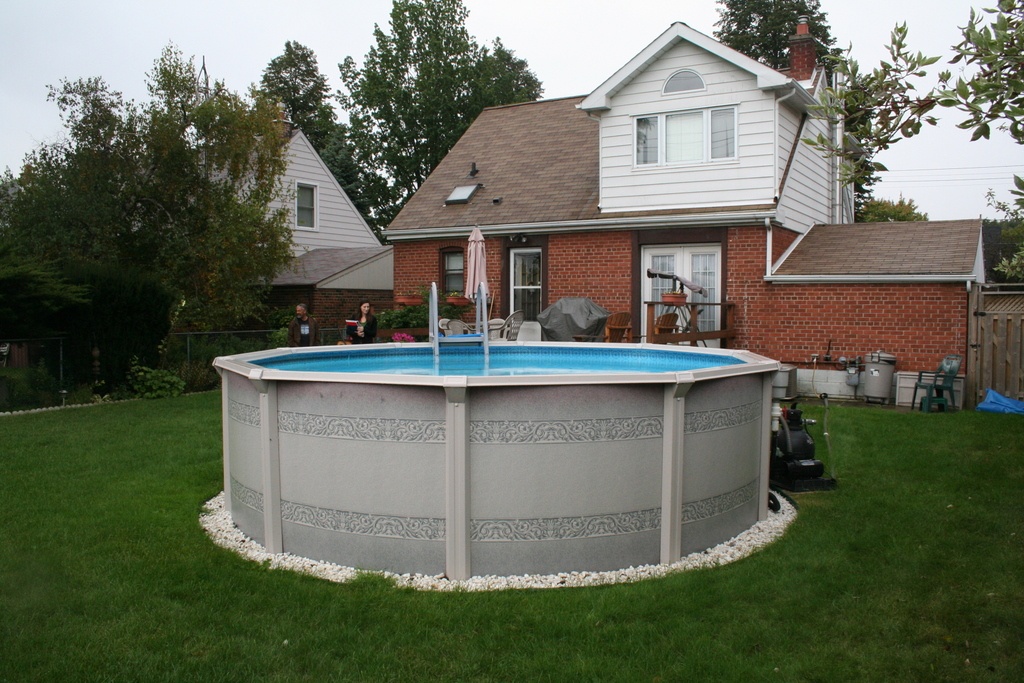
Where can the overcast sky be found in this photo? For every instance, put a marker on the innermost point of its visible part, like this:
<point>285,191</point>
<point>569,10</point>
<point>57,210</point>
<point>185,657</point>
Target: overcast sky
<point>572,46</point>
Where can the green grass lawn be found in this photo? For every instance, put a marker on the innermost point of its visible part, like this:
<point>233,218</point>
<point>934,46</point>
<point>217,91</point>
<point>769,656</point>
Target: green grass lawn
<point>912,570</point>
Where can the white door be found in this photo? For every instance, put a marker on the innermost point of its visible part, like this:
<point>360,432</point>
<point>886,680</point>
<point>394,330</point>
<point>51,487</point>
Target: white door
<point>700,263</point>
<point>525,291</point>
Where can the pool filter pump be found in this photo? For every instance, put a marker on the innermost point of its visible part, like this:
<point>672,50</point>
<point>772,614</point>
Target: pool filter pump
<point>793,465</point>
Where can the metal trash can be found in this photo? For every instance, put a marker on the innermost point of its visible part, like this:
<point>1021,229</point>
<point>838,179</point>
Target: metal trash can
<point>878,369</point>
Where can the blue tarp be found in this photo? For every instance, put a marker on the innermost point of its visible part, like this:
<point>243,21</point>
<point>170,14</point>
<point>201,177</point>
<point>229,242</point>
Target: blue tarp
<point>997,403</point>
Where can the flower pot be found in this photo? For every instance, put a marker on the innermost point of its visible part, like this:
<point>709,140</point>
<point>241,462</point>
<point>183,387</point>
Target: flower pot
<point>673,298</point>
<point>457,300</point>
<point>409,300</point>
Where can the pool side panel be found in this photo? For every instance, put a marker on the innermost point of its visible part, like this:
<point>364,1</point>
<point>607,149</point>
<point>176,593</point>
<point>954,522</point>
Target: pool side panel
<point>722,482</point>
<point>363,474</point>
<point>564,478</point>
<point>246,477</point>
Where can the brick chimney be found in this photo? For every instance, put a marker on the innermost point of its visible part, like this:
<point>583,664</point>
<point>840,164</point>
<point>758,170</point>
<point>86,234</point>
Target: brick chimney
<point>803,51</point>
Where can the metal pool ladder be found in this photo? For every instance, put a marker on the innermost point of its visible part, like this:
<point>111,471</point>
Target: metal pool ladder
<point>481,339</point>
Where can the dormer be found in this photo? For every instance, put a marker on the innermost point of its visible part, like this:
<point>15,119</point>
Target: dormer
<point>689,123</point>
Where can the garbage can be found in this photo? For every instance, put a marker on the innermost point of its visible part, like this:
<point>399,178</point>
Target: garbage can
<point>878,369</point>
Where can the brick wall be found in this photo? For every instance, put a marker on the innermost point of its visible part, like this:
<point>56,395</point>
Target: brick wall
<point>333,306</point>
<point>594,265</point>
<point>918,323</point>
<point>598,266</point>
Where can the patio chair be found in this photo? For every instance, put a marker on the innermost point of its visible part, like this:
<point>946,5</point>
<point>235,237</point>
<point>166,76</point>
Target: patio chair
<point>666,323</point>
<point>619,328</point>
<point>935,384</point>
<point>510,331</point>
<point>495,327</point>
<point>457,327</point>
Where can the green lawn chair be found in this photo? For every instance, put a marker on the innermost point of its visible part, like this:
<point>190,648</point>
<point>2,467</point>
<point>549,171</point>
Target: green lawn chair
<point>935,384</point>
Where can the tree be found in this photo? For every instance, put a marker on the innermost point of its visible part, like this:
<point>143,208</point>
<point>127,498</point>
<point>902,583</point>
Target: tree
<point>761,29</point>
<point>33,292</point>
<point>339,155</point>
<point>886,210</point>
<point>181,187</point>
<point>294,80</point>
<point>420,87</point>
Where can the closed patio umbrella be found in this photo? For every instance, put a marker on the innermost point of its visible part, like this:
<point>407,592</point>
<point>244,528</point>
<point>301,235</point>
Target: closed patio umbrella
<point>476,264</point>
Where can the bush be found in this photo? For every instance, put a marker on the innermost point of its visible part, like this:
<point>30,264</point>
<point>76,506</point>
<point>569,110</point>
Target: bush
<point>154,383</point>
<point>27,388</point>
<point>410,316</point>
<point>197,375</point>
<point>278,339</point>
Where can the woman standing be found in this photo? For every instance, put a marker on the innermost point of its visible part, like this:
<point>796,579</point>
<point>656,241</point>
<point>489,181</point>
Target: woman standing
<point>366,325</point>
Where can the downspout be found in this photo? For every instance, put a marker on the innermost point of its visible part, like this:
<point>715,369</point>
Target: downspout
<point>839,131</point>
<point>768,247</point>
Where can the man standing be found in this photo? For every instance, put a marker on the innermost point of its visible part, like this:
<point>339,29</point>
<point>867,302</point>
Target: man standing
<point>303,330</point>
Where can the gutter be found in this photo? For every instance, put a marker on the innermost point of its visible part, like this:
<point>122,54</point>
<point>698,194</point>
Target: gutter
<point>869,279</point>
<point>596,224</point>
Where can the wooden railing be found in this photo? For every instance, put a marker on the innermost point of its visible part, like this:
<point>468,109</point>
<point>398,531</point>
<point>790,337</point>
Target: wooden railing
<point>690,312</point>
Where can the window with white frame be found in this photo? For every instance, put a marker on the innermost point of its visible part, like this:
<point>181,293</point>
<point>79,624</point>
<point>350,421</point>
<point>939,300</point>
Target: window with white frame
<point>685,80</point>
<point>305,206</point>
<point>689,137</point>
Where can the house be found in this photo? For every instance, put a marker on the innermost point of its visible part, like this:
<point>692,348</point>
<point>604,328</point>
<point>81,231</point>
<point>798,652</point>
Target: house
<point>339,261</point>
<point>689,159</point>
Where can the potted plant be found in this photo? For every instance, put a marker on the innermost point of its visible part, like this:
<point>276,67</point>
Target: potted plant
<point>456,299</point>
<point>674,298</point>
<point>408,299</point>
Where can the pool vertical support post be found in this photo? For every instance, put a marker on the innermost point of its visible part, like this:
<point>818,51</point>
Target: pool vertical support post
<point>270,462</point>
<point>767,380</point>
<point>225,436</point>
<point>457,486</point>
<point>673,455</point>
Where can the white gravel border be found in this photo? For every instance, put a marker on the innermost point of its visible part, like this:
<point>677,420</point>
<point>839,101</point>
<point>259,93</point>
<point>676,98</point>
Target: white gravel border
<point>222,530</point>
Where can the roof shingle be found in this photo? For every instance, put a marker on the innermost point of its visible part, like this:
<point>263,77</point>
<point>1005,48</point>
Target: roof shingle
<point>319,264</point>
<point>539,158</point>
<point>895,248</point>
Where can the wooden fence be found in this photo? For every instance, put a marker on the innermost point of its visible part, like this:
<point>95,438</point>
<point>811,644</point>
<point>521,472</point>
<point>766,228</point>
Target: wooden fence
<point>996,338</point>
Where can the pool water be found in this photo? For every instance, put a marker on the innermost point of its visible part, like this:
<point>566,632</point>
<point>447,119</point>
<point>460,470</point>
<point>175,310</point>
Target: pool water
<point>503,361</point>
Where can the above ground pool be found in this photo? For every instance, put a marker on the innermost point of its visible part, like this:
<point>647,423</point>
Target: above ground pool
<point>538,459</point>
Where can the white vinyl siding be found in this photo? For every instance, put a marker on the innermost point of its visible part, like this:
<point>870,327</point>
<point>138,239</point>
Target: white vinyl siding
<point>741,169</point>
<point>338,223</point>
<point>807,192</point>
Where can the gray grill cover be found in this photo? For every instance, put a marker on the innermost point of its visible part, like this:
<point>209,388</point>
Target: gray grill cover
<point>572,316</point>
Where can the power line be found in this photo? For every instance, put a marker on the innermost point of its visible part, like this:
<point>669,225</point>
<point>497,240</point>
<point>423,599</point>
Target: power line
<point>952,168</point>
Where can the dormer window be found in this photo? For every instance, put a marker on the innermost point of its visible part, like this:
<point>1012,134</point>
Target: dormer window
<point>688,137</point>
<point>683,81</point>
